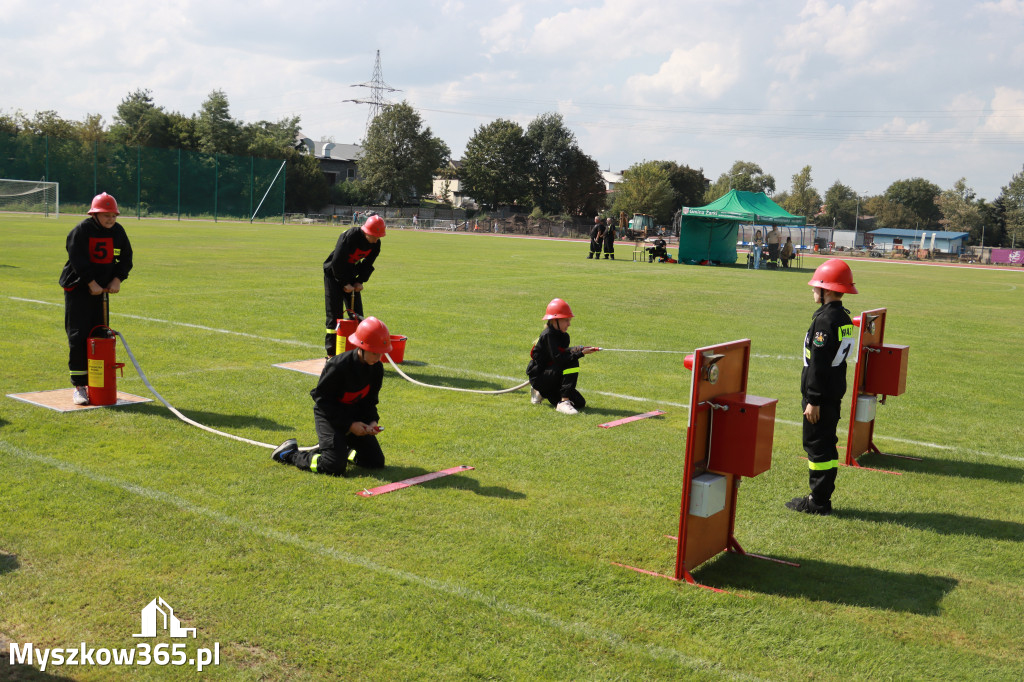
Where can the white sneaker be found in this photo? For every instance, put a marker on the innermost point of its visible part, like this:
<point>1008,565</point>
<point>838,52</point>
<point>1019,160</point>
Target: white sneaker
<point>535,397</point>
<point>566,407</point>
<point>81,396</point>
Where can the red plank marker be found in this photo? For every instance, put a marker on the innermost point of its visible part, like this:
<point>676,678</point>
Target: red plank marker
<point>626,420</point>
<point>398,485</point>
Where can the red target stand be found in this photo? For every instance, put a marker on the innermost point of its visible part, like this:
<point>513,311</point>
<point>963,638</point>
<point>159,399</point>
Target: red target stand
<point>880,370</point>
<point>729,436</point>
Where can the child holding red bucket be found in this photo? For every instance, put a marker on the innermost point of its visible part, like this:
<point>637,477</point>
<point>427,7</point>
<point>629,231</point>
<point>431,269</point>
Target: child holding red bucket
<point>99,260</point>
<point>345,271</point>
<point>345,407</point>
<point>555,366</point>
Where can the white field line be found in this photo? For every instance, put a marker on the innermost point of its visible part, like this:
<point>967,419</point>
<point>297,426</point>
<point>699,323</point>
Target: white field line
<point>572,628</point>
<point>936,446</point>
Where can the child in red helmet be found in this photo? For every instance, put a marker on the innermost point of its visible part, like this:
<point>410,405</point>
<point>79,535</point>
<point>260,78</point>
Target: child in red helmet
<point>554,365</point>
<point>99,260</point>
<point>346,270</point>
<point>827,344</point>
<point>345,407</point>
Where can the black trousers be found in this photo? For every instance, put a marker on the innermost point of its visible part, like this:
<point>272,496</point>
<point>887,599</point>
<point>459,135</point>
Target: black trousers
<point>555,384</point>
<point>336,304</point>
<point>595,248</point>
<point>822,454</point>
<point>82,312</point>
<point>332,456</point>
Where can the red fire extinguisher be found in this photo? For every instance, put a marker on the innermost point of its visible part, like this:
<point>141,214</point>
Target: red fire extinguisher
<point>102,365</point>
<point>102,362</point>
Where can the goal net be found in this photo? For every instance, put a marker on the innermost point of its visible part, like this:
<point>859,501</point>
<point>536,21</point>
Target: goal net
<point>28,196</point>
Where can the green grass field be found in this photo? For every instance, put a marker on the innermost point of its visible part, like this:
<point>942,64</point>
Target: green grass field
<point>503,572</point>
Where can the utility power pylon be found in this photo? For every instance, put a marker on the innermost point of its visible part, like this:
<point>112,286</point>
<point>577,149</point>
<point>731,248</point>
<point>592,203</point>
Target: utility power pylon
<point>377,101</point>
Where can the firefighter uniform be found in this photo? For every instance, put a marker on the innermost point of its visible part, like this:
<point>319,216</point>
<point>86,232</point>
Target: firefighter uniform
<point>827,345</point>
<point>554,367</point>
<point>99,254</point>
<point>350,263</point>
<point>609,242</point>
<point>348,391</point>
<point>596,239</point>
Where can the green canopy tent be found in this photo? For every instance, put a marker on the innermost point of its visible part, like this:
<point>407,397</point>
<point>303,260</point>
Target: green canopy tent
<point>708,233</point>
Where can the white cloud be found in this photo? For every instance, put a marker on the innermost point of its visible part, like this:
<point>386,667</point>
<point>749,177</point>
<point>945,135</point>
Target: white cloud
<point>1013,8</point>
<point>857,37</point>
<point>504,32</point>
<point>1007,105</point>
<point>705,71</point>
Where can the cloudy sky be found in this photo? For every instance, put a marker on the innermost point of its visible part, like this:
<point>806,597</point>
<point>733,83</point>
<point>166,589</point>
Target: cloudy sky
<point>864,91</point>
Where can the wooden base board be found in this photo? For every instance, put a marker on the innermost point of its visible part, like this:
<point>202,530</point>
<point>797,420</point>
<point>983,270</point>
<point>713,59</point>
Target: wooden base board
<point>314,366</point>
<point>61,400</point>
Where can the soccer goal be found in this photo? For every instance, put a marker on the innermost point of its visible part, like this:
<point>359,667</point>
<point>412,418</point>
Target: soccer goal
<point>28,196</point>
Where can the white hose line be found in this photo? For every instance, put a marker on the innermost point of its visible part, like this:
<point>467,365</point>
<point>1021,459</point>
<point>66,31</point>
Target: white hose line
<point>631,350</point>
<point>179,415</point>
<point>453,388</point>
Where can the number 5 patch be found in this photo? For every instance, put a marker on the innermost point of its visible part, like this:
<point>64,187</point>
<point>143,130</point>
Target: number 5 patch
<point>101,249</point>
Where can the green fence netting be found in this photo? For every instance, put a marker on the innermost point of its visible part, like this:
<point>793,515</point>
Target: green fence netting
<point>146,181</point>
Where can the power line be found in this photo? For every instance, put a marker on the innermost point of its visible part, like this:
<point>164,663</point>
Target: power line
<point>377,88</point>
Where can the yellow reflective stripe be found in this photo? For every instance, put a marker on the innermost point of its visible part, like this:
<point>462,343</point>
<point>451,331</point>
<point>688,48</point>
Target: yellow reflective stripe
<point>117,252</point>
<point>331,331</point>
<point>807,352</point>
<point>571,370</point>
<point>846,332</point>
<point>823,466</point>
<point>352,456</point>
<point>312,462</point>
<point>79,373</point>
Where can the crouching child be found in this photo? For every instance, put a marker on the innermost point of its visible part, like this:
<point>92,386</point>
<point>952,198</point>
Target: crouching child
<point>345,407</point>
<point>554,365</point>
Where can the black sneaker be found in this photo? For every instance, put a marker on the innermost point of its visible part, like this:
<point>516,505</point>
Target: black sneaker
<point>285,451</point>
<point>808,506</point>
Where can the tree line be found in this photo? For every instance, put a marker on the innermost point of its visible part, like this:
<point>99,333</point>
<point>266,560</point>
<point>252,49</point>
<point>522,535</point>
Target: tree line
<point>540,169</point>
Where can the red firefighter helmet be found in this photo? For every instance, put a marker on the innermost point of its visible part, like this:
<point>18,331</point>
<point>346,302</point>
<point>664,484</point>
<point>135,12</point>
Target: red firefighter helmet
<point>371,335</point>
<point>834,275</point>
<point>104,203</point>
<point>557,310</point>
<point>374,226</point>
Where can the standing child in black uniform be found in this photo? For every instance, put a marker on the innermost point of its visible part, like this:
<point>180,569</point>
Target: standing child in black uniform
<point>345,271</point>
<point>828,343</point>
<point>596,238</point>
<point>345,407</point>
<point>554,366</point>
<point>609,241</point>
<point>99,259</point>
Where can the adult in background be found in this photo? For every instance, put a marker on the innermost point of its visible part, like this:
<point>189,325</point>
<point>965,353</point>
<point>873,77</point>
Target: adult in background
<point>787,253</point>
<point>773,239</point>
<point>659,251</point>
<point>758,246</point>
<point>827,344</point>
<point>346,269</point>
<point>609,241</point>
<point>99,260</point>
<point>596,237</point>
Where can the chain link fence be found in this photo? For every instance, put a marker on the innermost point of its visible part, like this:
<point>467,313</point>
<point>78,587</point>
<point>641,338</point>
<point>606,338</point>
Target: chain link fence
<point>146,181</point>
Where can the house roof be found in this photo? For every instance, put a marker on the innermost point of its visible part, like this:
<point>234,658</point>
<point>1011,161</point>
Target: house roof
<point>892,232</point>
<point>325,149</point>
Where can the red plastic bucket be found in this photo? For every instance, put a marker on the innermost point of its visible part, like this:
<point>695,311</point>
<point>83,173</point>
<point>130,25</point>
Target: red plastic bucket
<point>345,329</point>
<point>398,348</point>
